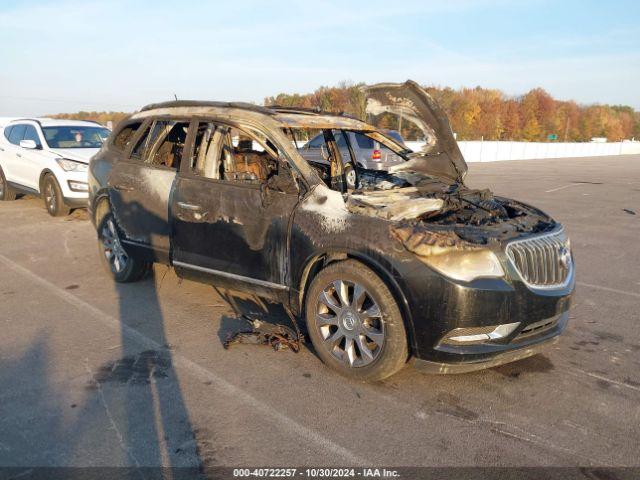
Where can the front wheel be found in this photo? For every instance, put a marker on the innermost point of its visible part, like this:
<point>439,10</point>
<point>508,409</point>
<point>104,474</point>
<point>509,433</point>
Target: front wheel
<point>354,322</point>
<point>53,199</point>
<point>123,268</point>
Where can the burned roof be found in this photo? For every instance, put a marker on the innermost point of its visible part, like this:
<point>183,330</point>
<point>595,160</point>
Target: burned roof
<point>291,117</point>
<point>302,120</point>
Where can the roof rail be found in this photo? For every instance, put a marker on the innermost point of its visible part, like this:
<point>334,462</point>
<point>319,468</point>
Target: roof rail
<point>267,110</point>
<point>199,103</point>
<point>40,123</point>
<point>25,119</point>
<point>309,111</point>
<point>285,109</point>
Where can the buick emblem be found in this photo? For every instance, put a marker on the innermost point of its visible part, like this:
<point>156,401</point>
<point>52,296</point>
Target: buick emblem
<point>565,257</point>
<point>349,321</point>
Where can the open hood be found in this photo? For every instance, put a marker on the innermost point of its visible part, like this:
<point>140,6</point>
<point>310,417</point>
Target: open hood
<point>441,155</point>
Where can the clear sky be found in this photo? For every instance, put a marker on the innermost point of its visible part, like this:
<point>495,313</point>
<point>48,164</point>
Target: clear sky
<point>63,56</point>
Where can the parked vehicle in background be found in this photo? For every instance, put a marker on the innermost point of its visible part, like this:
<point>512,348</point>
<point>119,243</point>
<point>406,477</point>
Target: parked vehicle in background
<point>49,158</point>
<point>369,153</point>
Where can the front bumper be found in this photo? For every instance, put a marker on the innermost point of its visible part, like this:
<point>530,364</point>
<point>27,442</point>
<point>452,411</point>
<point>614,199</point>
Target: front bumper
<point>72,195</point>
<point>77,202</point>
<point>439,305</point>
<point>481,356</point>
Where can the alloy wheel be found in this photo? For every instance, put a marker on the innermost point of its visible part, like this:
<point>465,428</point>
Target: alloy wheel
<point>50,196</point>
<point>351,178</point>
<point>350,323</point>
<point>112,248</point>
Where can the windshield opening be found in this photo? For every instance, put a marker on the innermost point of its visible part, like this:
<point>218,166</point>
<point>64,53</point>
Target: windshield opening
<point>358,159</point>
<point>75,137</point>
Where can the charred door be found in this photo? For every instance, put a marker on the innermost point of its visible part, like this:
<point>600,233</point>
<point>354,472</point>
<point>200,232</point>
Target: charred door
<point>140,188</point>
<point>230,216</point>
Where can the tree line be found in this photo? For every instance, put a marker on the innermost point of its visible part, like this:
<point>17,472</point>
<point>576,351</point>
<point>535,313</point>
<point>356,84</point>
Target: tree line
<point>475,113</point>
<point>101,117</point>
<point>489,114</point>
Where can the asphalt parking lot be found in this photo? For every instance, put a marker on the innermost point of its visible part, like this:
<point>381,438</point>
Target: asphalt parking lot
<point>97,374</point>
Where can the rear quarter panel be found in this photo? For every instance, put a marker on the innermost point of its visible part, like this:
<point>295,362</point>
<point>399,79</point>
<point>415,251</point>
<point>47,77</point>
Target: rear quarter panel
<point>100,168</point>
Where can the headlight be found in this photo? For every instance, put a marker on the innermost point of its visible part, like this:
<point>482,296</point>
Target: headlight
<point>71,165</point>
<point>466,265</point>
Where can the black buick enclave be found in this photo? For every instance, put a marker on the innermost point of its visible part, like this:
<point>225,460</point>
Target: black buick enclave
<point>409,263</point>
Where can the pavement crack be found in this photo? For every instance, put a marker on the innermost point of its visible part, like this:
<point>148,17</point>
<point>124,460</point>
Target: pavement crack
<point>506,430</point>
<point>604,379</point>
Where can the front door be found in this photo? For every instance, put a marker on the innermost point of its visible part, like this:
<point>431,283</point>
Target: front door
<point>231,209</point>
<point>140,188</point>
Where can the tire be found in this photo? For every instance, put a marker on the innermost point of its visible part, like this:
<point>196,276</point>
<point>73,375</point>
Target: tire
<point>6,192</point>
<point>122,267</point>
<point>351,176</point>
<point>52,196</point>
<point>371,322</point>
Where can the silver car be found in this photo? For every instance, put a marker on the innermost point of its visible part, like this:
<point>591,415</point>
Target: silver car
<point>368,153</point>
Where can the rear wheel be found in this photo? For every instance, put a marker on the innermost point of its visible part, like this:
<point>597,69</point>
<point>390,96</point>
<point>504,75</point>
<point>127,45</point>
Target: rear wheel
<point>53,199</point>
<point>350,174</point>
<point>123,268</point>
<point>354,322</point>
<point>6,193</point>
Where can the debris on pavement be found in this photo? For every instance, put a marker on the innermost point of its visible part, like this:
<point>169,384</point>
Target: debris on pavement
<point>279,337</point>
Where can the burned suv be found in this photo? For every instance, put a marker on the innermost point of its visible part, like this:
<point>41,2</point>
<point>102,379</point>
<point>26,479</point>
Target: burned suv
<point>408,264</point>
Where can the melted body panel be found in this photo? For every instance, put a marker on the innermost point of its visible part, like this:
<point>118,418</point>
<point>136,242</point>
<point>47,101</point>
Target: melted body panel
<point>139,197</point>
<point>240,229</point>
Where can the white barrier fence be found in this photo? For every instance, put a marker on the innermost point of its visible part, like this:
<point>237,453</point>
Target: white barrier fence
<point>492,151</point>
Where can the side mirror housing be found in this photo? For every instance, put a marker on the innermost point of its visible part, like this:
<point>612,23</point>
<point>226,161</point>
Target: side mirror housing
<point>29,144</point>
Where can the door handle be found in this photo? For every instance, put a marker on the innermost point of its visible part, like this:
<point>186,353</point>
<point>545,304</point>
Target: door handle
<point>19,155</point>
<point>123,188</point>
<point>1,149</point>
<point>190,206</point>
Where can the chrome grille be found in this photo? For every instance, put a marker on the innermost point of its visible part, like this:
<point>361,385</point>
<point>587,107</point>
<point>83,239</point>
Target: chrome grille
<point>542,261</point>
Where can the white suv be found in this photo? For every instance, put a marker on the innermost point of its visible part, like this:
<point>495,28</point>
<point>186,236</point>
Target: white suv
<point>49,158</point>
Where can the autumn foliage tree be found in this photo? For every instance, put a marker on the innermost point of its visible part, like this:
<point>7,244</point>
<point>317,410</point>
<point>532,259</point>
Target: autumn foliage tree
<point>474,113</point>
<point>477,113</point>
<point>100,117</point>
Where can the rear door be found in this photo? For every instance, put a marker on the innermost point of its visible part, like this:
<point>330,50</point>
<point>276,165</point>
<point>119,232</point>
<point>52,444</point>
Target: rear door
<point>141,184</point>
<point>368,150</point>
<point>6,150</point>
<point>31,161</point>
<point>315,150</point>
<point>12,154</point>
<point>230,221</point>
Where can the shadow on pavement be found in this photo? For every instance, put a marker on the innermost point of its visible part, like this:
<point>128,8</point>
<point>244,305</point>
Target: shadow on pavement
<point>145,386</point>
